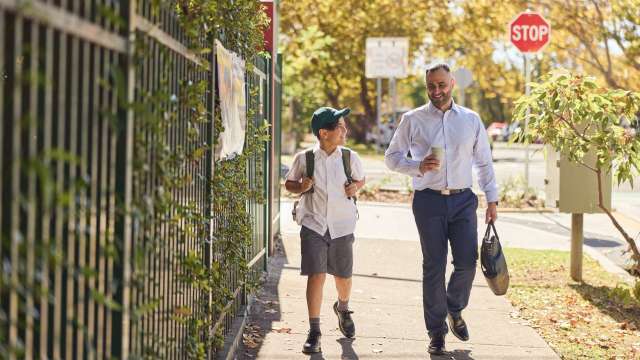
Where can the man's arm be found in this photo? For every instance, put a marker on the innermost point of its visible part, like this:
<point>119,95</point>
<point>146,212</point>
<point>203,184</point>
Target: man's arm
<point>396,155</point>
<point>483,160</point>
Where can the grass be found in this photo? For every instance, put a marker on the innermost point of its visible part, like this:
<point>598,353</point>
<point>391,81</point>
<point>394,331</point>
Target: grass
<point>596,319</point>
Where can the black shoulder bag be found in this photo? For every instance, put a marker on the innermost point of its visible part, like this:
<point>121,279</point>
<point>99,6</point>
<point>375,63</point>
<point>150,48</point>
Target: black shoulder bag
<point>493,262</point>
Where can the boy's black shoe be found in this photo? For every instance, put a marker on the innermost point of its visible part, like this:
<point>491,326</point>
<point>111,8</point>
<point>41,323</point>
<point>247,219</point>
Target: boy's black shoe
<point>436,346</point>
<point>458,327</point>
<point>312,345</point>
<point>347,327</point>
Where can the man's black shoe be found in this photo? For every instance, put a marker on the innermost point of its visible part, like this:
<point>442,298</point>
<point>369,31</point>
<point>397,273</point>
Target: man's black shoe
<point>458,327</point>
<point>436,346</point>
<point>312,345</point>
<point>347,327</point>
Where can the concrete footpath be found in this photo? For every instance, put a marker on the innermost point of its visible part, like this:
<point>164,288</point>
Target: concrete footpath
<point>387,298</point>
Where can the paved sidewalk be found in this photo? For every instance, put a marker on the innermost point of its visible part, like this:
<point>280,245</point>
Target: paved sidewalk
<point>387,295</point>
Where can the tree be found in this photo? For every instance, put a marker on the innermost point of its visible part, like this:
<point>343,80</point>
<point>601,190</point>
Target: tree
<point>592,36</point>
<point>324,47</point>
<point>575,116</point>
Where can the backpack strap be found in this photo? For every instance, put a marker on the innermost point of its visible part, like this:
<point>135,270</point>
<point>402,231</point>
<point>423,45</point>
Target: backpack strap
<point>346,163</point>
<point>310,164</point>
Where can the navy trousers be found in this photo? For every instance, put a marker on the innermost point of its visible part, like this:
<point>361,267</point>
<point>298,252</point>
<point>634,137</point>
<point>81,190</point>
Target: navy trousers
<point>440,218</point>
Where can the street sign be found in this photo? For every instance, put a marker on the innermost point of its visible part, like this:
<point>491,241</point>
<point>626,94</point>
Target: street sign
<point>529,32</point>
<point>387,57</point>
<point>463,78</point>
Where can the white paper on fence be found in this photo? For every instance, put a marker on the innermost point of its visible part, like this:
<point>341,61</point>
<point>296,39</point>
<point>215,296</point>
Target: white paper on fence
<point>231,86</point>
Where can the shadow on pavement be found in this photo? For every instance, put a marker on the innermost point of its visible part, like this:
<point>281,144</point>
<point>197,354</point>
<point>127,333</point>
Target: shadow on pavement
<point>601,243</point>
<point>266,310</point>
<point>369,276</point>
<point>455,354</point>
<point>347,349</point>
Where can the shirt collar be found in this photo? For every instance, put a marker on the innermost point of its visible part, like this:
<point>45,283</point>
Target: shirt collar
<point>433,109</point>
<point>318,150</point>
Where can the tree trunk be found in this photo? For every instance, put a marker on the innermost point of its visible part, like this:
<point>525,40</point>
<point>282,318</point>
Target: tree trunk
<point>333,99</point>
<point>627,237</point>
<point>369,111</point>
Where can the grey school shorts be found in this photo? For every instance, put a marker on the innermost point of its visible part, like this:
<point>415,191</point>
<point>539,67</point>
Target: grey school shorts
<point>321,254</point>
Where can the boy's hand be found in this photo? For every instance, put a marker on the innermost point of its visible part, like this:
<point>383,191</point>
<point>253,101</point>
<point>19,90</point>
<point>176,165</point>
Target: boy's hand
<point>351,189</point>
<point>306,184</point>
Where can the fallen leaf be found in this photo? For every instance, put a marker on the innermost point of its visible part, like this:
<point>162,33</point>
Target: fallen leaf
<point>282,330</point>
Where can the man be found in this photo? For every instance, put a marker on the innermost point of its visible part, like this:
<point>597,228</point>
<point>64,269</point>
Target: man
<point>328,176</point>
<point>437,144</point>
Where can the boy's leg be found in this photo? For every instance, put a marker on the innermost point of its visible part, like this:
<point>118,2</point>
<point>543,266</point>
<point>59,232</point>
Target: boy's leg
<point>314,265</point>
<point>343,285</point>
<point>340,265</point>
<point>315,283</point>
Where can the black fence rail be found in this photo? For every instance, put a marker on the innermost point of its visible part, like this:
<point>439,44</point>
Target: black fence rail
<point>90,252</point>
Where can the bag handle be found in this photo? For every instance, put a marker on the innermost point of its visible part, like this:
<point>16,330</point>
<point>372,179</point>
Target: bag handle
<point>487,233</point>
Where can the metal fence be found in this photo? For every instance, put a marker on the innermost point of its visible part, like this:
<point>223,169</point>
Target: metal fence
<point>83,275</point>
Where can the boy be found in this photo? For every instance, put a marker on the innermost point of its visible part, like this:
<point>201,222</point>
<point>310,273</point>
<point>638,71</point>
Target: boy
<point>328,176</point>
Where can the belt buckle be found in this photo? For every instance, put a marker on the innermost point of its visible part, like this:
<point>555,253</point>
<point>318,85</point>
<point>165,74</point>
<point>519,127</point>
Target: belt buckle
<point>445,192</point>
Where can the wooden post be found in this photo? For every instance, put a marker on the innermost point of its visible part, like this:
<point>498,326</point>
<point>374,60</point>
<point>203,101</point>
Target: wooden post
<point>577,237</point>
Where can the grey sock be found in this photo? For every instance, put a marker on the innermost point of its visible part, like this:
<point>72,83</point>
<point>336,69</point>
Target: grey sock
<point>314,324</point>
<point>343,305</point>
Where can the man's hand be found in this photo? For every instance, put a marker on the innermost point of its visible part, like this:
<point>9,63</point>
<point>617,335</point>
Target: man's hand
<point>306,184</point>
<point>492,212</point>
<point>351,189</point>
<point>429,163</point>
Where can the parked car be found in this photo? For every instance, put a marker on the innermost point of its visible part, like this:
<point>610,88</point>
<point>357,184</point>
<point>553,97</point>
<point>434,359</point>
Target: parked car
<point>496,130</point>
<point>510,130</point>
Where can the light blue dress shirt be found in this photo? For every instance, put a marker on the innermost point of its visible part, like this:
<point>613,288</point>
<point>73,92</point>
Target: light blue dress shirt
<point>460,133</point>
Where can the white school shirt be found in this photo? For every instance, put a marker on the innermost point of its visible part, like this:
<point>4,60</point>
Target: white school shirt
<point>460,132</point>
<point>328,206</point>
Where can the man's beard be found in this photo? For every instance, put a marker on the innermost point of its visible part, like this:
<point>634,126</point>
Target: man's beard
<point>442,100</point>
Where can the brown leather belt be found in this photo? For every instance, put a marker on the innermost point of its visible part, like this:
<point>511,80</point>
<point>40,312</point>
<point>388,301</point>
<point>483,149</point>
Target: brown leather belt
<point>445,192</point>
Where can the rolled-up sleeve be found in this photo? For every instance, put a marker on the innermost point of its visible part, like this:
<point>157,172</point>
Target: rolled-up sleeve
<point>296,171</point>
<point>483,161</point>
<point>396,155</point>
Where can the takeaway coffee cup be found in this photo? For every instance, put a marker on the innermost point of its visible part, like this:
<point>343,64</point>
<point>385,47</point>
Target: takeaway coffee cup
<point>438,152</point>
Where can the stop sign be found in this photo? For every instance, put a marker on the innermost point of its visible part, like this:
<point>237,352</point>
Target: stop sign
<point>529,32</point>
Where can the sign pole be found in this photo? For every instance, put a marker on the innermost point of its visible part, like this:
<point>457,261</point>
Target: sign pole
<point>392,90</point>
<point>529,32</point>
<point>378,100</point>
<point>527,80</point>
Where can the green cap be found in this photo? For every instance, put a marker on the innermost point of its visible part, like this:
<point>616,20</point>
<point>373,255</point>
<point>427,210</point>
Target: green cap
<point>325,116</point>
